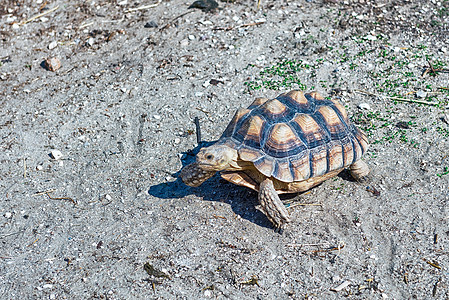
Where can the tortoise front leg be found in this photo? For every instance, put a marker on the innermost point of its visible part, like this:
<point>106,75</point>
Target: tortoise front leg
<point>272,205</point>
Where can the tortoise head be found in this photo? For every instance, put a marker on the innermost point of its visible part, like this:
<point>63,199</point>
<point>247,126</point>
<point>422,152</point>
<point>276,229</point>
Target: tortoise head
<point>216,157</point>
<point>208,161</point>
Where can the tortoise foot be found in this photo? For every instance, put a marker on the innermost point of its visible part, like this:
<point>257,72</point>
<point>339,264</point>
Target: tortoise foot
<point>272,205</point>
<point>360,171</point>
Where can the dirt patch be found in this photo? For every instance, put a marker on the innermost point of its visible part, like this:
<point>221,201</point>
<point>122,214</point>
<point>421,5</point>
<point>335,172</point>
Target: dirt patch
<point>90,153</point>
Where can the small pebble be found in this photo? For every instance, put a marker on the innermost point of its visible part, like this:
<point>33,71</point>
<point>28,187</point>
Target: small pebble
<point>177,140</point>
<point>53,45</point>
<point>90,42</point>
<point>56,154</point>
<point>364,106</point>
<point>47,286</point>
<point>191,37</point>
<point>44,19</point>
<point>39,168</point>
<point>108,197</point>
<point>151,24</point>
<point>8,215</point>
<point>370,37</point>
<point>208,293</point>
<point>207,22</point>
<point>342,286</point>
<point>157,117</point>
<point>446,118</point>
<point>52,64</point>
<point>184,43</point>
<point>15,26</point>
<point>11,19</point>
<point>421,94</point>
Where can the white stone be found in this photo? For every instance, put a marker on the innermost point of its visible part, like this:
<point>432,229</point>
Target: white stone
<point>53,45</point>
<point>15,26</point>
<point>44,19</point>
<point>421,94</point>
<point>157,117</point>
<point>10,19</point>
<point>370,37</point>
<point>124,2</point>
<point>191,37</point>
<point>108,197</point>
<point>47,286</point>
<point>184,43</point>
<point>56,154</point>
<point>90,41</point>
<point>364,106</point>
<point>8,215</point>
<point>39,168</point>
<point>208,293</point>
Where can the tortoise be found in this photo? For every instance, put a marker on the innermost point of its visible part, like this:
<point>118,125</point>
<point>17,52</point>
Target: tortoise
<point>287,144</point>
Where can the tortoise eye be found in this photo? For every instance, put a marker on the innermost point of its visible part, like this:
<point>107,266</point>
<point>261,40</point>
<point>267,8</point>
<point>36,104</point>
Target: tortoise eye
<point>209,156</point>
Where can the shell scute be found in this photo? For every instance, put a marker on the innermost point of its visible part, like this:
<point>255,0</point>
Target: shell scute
<point>282,141</point>
<point>337,129</point>
<point>282,170</point>
<point>335,155</point>
<point>318,159</point>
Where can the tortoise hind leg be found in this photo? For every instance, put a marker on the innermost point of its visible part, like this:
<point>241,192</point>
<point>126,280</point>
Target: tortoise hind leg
<point>272,205</point>
<point>359,170</point>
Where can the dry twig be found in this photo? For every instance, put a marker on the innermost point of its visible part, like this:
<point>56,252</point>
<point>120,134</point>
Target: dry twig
<point>174,19</point>
<point>198,130</point>
<point>39,15</point>
<point>144,7</point>
<point>239,26</point>
<point>397,98</point>
<point>54,198</point>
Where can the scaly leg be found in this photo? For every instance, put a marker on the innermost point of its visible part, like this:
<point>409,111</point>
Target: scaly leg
<point>272,205</point>
<point>359,170</point>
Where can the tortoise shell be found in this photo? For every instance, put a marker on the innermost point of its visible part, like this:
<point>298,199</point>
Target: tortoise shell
<point>295,136</point>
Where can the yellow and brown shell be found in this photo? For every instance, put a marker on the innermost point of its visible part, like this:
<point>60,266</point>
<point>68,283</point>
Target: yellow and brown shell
<point>295,136</point>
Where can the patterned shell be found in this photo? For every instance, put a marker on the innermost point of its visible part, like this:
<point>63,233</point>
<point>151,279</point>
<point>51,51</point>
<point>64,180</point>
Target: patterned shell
<point>295,136</point>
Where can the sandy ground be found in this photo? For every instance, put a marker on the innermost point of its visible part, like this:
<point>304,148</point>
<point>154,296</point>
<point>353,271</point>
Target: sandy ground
<point>109,219</point>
